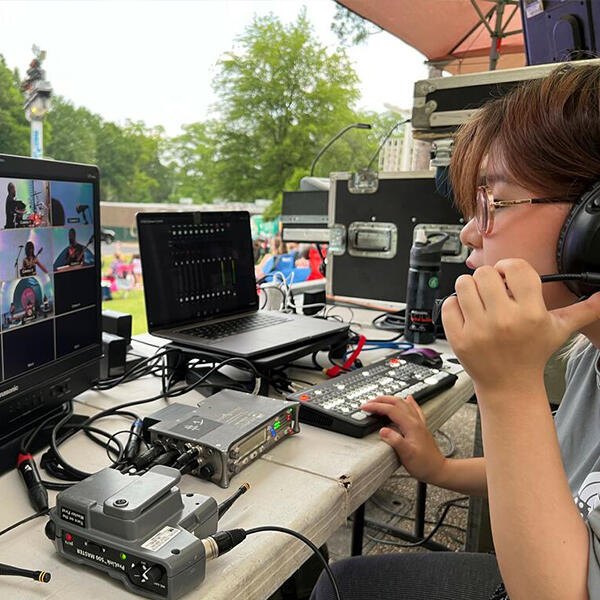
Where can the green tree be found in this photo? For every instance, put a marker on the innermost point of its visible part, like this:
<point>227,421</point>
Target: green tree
<point>14,128</point>
<point>351,28</point>
<point>152,180</point>
<point>72,134</point>
<point>282,96</point>
<point>191,157</point>
<point>129,161</point>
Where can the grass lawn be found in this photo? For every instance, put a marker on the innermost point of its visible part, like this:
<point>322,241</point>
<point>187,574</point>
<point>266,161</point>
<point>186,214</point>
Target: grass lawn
<point>133,304</point>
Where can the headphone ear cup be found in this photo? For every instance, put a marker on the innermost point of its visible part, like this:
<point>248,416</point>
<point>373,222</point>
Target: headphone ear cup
<point>578,247</point>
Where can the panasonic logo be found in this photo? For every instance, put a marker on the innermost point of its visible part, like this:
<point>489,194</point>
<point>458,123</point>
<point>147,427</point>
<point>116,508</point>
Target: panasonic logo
<point>9,391</point>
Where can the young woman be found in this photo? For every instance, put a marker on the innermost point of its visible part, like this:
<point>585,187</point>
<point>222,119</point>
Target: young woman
<point>542,476</point>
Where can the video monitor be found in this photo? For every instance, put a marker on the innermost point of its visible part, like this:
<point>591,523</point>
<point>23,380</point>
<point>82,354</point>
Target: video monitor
<point>49,269</point>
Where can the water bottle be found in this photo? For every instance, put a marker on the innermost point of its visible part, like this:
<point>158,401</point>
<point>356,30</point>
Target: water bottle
<point>424,268</point>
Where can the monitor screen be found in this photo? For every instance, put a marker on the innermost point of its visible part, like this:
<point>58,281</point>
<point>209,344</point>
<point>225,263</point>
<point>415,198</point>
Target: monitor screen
<point>49,269</point>
<point>197,265</point>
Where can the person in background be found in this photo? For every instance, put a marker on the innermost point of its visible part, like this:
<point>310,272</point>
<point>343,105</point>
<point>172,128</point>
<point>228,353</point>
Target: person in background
<point>276,248</point>
<point>136,269</point>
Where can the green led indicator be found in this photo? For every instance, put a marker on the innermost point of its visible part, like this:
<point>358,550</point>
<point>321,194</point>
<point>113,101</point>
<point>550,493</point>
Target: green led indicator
<point>290,410</point>
<point>277,425</point>
<point>123,556</point>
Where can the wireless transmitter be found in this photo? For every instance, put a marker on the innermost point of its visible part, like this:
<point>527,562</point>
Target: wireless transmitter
<point>140,530</point>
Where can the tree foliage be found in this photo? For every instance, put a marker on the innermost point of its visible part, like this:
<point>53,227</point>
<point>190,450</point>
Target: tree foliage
<point>72,132</point>
<point>282,95</point>
<point>351,28</point>
<point>14,128</point>
<point>190,157</point>
<point>129,156</point>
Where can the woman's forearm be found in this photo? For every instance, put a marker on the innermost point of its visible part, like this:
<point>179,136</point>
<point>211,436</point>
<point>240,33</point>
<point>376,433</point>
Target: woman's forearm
<point>465,476</point>
<point>541,541</point>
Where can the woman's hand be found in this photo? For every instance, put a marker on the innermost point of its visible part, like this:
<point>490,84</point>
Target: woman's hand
<point>500,329</point>
<point>409,436</point>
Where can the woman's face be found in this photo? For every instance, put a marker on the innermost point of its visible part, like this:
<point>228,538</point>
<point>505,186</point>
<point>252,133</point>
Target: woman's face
<point>528,231</point>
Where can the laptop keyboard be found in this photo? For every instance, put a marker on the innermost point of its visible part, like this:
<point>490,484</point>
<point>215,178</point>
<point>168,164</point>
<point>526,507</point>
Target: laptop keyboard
<point>227,328</point>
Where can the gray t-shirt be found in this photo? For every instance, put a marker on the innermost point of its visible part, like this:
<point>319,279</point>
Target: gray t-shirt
<point>578,428</point>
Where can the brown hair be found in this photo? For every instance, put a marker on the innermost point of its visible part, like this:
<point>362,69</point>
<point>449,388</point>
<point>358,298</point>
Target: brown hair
<point>545,133</point>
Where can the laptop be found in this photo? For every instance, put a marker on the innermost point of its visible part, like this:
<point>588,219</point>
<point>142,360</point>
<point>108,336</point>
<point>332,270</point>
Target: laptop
<point>200,289</point>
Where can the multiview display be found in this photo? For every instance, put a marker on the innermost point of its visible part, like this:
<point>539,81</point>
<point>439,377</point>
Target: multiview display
<point>47,272</point>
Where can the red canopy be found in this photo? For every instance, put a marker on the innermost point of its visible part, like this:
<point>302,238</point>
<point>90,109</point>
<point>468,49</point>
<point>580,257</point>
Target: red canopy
<point>451,33</point>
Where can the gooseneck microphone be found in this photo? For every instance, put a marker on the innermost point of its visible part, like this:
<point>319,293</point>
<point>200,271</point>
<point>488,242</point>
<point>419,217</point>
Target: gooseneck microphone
<point>333,139</point>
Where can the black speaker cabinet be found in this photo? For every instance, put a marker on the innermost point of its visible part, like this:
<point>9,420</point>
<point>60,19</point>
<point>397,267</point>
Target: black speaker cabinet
<point>372,226</point>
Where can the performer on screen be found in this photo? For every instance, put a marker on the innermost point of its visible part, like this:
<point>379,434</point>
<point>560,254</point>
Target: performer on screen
<point>12,310</point>
<point>75,251</point>
<point>14,208</point>
<point>31,261</point>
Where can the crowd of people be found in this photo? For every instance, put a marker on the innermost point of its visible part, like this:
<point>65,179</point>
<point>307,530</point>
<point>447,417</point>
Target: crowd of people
<point>296,262</point>
<point>122,274</point>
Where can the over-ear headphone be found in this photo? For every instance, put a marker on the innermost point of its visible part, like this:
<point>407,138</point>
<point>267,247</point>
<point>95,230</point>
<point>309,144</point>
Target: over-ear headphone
<point>578,247</point>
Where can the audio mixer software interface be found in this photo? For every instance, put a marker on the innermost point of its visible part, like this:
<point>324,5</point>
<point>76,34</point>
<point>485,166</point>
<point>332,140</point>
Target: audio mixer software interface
<point>200,268</point>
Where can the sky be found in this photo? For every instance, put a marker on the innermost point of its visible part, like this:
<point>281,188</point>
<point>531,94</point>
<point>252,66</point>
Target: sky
<point>155,60</point>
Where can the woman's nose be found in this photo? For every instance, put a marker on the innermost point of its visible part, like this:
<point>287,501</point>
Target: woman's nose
<point>470,235</point>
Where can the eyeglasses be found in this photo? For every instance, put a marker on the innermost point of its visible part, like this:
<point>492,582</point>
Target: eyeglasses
<point>486,206</point>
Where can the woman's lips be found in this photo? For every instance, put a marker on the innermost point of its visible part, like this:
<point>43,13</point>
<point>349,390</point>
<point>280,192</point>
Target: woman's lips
<point>470,264</point>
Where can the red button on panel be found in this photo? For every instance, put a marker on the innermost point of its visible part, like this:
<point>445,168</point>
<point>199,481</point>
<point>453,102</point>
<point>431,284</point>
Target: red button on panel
<point>304,397</point>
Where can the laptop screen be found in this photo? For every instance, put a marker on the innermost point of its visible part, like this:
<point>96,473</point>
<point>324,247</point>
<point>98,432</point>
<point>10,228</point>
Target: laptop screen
<point>196,266</point>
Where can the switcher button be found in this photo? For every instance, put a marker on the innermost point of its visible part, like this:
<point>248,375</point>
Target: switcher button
<point>360,415</point>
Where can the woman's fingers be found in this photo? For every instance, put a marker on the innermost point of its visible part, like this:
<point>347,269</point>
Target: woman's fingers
<point>392,438</point>
<point>469,299</point>
<point>417,408</point>
<point>400,414</point>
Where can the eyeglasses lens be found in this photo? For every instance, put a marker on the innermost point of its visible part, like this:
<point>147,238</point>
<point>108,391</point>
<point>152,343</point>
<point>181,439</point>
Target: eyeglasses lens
<point>482,214</point>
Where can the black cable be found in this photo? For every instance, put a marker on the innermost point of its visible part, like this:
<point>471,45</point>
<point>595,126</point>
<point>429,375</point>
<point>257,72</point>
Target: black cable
<point>119,458</point>
<point>316,551</point>
<point>26,520</point>
<point>68,471</point>
<point>390,322</point>
<point>138,370</point>
<point>315,362</point>
<point>406,517</point>
<point>385,139</point>
<point>448,505</point>
<point>57,466</point>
